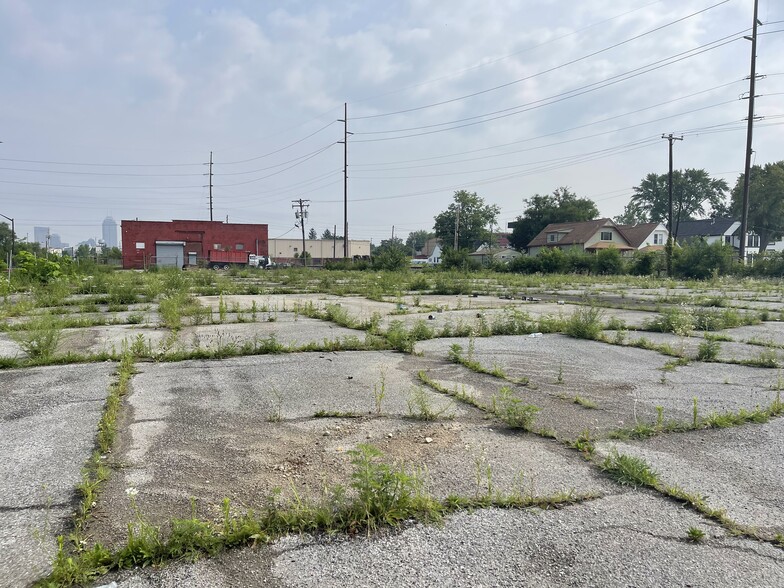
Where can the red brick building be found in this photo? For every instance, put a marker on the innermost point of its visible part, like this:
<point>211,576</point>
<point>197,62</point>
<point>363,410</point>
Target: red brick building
<point>186,242</point>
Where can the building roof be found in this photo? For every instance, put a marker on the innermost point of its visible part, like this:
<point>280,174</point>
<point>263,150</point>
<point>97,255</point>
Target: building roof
<point>430,246</point>
<point>576,233</point>
<point>705,227</point>
<point>637,234</point>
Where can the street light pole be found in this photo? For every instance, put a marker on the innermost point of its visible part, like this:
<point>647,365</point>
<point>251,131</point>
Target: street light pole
<point>13,238</point>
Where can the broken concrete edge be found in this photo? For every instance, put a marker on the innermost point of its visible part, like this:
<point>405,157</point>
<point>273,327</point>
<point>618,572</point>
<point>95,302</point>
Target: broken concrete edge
<point>95,472</point>
<point>609,462</point>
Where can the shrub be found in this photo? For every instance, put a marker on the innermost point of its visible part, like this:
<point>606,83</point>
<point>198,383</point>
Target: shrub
<point>608,262</point>
<point>40,337</point>
<point>585,323</point>
<point>708,350</point>
<point>697,259</point>
<point>513,411</point>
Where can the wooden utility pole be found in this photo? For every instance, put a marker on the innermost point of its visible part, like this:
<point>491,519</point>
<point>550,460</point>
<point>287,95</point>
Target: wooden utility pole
<point>671,225</point>
<point>457,224</point>
<point>301,215</point>
<point>344,120</point>
<point>210,174</point>
<point>744,223</point>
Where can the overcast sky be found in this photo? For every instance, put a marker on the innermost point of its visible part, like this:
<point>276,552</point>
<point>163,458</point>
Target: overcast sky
<point>112,108</point>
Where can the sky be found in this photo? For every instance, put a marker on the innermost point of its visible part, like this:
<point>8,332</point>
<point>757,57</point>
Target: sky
<point>113,108</point>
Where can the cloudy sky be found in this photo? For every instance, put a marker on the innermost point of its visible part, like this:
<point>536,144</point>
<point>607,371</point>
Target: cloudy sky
<point>113,108</point>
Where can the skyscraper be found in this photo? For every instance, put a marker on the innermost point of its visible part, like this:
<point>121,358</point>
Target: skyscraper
<point>110,232</point>
<point>40,235</point>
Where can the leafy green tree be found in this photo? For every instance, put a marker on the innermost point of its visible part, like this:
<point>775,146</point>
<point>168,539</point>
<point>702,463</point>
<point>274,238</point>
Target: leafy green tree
<point>458,259</point>
<point>312,234</point>
<point>697,259</point>
<point>5,241</point>
<point>391,255</point>
<point>416,239</point>
<point>472,217</point>
<point>561,206</point>
<point>766,201</point>
<point>327,234</point>
<point>694,195</point>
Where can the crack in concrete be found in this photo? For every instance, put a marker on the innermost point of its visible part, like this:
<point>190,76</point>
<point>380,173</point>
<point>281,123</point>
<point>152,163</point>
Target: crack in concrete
<point>44,506</point>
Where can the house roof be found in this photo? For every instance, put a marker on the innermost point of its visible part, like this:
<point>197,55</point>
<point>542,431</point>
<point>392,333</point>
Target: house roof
<point>430,246</point>
<point>705,227</point>
<point>637,234</point>
<point>576,233</point>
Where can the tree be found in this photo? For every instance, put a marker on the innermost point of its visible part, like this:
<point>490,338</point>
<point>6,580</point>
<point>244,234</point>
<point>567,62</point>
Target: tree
<point>471,216</point>
<point>766,201</point>
<point>416,239</point>
<point>562,206</point>
<point>391,255</point>
<point>5,241</point>
<point>694,195</point>
<point>327,234</point>
<point>312,234</point>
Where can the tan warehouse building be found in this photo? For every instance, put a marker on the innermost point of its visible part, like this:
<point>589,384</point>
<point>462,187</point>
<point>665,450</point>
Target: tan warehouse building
<point>320,250</point>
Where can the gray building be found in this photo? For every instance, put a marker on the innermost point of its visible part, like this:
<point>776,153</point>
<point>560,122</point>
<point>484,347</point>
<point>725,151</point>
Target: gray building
<point>40,235</point>
<point>110,232</point>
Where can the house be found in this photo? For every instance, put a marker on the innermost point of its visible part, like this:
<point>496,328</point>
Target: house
<point>588,236</point>
<point>646,236</point>
<point>486,254</point>
<point>717,230</point>
<point>435,255</point>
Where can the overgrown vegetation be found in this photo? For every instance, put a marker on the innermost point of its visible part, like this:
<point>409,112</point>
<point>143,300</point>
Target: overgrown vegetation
<point>382,494</point>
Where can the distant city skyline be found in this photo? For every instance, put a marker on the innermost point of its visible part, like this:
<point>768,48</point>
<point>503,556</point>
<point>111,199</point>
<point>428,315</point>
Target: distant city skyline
<point>109,232</point>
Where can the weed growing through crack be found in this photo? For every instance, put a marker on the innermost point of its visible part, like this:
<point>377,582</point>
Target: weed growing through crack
<point>40,336</point>
<point>708,350</point>
<point>695,535</point>
<point>380,391</point>
<point>584,402</point>
<point>512,410</point>
<point>629,471</point>
<point>276,415</point>
<point>585,323</point>
<point>420,406</point>
<point>483,473</point>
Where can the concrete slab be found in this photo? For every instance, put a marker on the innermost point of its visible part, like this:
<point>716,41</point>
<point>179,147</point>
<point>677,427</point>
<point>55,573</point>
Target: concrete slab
<point>109,339</point>
<point>48,419</point>
<point>728,350</point>
<point>9,347</point>
<point>771,331</point>
<point>740,470</point>
<point>626,384</point>
<point>631,539</point>
<point>288,329</point>
<point>240,428</point>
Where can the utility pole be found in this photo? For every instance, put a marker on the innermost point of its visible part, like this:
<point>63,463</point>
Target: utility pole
<point>393,233</point>
<point>744,223</point>
<point>346,133</point>
<point>334,241</point>
<point>13,238</point>
<point>457,224</point>
<point>301,215</point>
<point>671,226</point>
<point>209,173</point>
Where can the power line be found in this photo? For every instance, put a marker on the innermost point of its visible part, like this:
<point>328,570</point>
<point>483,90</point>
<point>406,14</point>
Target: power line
<point>517,81</point>
<point>567,141</point>
<point>572,93</point>
<point>498,59</point>
<point>315,154</point>
<point>277,150</point>
<point>529,139</point>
